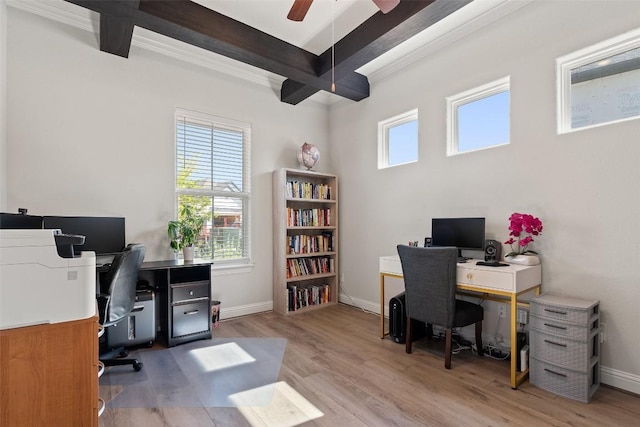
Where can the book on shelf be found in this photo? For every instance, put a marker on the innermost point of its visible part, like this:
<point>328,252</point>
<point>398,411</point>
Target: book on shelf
<point>318,217</point>
<point>307,190</point>
<point>307,244</point>
<point>308,266</point>
<point>304,296</point>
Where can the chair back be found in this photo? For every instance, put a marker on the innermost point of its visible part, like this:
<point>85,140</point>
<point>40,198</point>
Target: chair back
<point>121,280</point>
<point>430,283</point>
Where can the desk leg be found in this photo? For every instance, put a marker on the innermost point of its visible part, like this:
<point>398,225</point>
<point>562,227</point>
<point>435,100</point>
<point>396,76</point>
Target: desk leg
<point>514,338</point>
<point>381,305</point>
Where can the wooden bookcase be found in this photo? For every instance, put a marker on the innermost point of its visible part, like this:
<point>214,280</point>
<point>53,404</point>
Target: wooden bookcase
<point>305,240</point>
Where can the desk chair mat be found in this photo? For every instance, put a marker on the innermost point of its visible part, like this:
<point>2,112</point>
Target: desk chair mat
<point>221,372</point>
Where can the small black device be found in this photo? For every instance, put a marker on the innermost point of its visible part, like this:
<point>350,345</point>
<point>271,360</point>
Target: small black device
<point>521,341</point>
<point>427,242</point>
<point>492,250</point>
<point>398,321</point>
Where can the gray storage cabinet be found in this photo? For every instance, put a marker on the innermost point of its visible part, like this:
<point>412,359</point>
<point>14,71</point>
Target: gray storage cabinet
<point>565,345</point>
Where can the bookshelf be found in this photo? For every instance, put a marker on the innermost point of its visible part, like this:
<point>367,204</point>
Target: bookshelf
<point>305,240</point>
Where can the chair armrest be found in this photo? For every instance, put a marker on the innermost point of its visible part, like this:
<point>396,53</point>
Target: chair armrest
<point>103,303</point>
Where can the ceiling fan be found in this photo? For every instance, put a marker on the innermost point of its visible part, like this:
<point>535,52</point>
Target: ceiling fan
<point>300,8</point>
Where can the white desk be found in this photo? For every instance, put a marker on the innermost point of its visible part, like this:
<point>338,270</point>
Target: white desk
<point>502,284</point>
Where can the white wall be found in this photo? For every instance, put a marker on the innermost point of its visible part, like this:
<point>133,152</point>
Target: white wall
<point>92,134</point>
<point>582,185</point>
<point>3,104</point>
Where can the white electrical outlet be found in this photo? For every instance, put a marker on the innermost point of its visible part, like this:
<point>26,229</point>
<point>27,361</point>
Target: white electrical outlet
<point>502,310</point>
<point>523,316</point>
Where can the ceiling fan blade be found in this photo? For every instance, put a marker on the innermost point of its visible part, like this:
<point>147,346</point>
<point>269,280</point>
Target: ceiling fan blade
<point>299,9</point>
<point>386,6</point>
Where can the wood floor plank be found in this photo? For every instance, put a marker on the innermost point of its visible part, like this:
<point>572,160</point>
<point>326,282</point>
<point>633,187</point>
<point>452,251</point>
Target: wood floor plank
<point>336,365</point>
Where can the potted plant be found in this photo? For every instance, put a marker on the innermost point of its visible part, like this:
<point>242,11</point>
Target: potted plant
<point>522,228</point>
<point>185,231</point>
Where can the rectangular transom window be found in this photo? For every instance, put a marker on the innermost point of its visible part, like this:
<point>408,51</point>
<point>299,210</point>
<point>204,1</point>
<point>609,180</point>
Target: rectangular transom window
<point>478,118</point>
<point>398,140</point>
<point>212,176</point>
<point>600,84</point>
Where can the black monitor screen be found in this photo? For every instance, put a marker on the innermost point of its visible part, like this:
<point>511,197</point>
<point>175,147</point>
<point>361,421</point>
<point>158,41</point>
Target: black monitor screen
<point>103,235</point>
<point>19,221</point>
<point>463,233</point>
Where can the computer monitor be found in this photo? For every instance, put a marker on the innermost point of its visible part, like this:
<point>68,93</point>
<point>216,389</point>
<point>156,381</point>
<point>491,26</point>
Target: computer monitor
<point>103,235</point>
<point>463,233</point>
<point>19,221</point>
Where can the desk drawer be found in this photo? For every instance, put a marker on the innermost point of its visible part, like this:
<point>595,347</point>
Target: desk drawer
<point>189,291</point>
<point>494,279</point>
<point>190,318</point>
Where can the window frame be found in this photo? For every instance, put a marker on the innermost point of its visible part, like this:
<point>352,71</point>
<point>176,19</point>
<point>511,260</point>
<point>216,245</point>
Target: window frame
<point>597,52</point>
<point>245,195</point>
<point>480,92</point>
<point>383,137</point>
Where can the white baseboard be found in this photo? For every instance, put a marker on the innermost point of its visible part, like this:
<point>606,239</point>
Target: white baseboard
<point>244,310</point>
<point>620,379</point>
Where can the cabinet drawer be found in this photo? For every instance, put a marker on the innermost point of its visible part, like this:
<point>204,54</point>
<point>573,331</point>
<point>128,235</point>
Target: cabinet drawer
<point>190,318</point>
<point>565,382</point>
<point>570,354</point>
<point>189,291</point>
<point>563,329</point>
<point>565,309</point>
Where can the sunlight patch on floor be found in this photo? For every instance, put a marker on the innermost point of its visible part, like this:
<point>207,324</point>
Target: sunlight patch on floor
<point>287,407</point>
<point>221,356</point>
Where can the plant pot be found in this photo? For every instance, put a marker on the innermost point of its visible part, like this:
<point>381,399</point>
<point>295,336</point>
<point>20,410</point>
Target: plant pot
<point>188,252</point>
<point>523,259</point>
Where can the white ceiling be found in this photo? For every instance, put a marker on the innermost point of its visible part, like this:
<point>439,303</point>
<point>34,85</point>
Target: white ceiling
<point>314,33</point>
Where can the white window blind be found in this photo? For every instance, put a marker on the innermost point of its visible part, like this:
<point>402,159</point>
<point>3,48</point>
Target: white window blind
<point>212,176</point>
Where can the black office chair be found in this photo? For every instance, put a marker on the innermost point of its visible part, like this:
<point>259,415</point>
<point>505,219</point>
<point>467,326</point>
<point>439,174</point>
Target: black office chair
<point>117,303</point>
<point>430,292</point>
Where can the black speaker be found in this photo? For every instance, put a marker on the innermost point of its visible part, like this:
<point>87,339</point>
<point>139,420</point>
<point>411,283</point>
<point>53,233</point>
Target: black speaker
<point>427,242</point>
<point>492,250</point>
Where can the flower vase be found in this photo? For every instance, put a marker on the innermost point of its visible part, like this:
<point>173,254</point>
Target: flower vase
<point>188,252</point>
<point>523,259</point>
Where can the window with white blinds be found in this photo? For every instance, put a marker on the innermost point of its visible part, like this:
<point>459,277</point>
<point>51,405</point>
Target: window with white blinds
<point>212,176</point>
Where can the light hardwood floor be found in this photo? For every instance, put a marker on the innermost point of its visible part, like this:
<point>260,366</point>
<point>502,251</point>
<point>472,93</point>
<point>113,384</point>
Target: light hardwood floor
<point>338,372</point>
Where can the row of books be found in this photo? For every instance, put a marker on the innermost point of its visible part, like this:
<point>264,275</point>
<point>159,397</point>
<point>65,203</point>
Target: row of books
<point>303,244</point>
<point>300,297</point>
<point>307,190</point>
<point>320,217</point>
<point>308,266</point>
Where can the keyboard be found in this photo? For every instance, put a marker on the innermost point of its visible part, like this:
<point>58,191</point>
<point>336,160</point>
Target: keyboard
<point>492,264</point>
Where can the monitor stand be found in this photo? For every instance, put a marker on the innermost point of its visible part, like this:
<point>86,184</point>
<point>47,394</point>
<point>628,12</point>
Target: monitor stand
<point>462,259</point>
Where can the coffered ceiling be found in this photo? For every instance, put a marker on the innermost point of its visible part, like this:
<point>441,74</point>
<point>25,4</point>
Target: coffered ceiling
<point>256,37</point>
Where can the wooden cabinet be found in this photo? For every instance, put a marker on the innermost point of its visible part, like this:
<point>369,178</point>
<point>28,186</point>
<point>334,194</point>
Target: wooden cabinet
<point>184,292</point>
<point>565,345</point>
<point>49,374</point>
<point>305,240</point>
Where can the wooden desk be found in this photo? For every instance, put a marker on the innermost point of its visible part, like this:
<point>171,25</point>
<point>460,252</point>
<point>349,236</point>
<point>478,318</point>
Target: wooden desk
<point>501,284</point>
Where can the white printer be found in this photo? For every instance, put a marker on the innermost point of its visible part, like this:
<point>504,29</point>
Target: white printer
<point>40,280</point>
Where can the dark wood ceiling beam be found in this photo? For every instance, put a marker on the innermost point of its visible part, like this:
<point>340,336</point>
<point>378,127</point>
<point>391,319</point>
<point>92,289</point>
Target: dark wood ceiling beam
<point>116,33</point>
<point>199,26</point>
<point>375,36</point>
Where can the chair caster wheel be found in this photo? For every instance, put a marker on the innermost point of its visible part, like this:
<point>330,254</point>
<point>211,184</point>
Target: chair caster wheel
<point>137,366</point>
<point>150,344</point>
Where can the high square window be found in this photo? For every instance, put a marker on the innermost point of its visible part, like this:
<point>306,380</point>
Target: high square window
<point>398,140</point>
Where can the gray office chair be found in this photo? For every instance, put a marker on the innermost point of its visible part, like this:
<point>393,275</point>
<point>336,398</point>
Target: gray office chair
<point>117,303</point>
<point>430,291</point>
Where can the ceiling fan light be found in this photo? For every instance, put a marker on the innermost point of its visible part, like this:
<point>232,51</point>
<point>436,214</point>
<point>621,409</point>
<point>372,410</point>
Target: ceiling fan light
<point>386,6</point>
